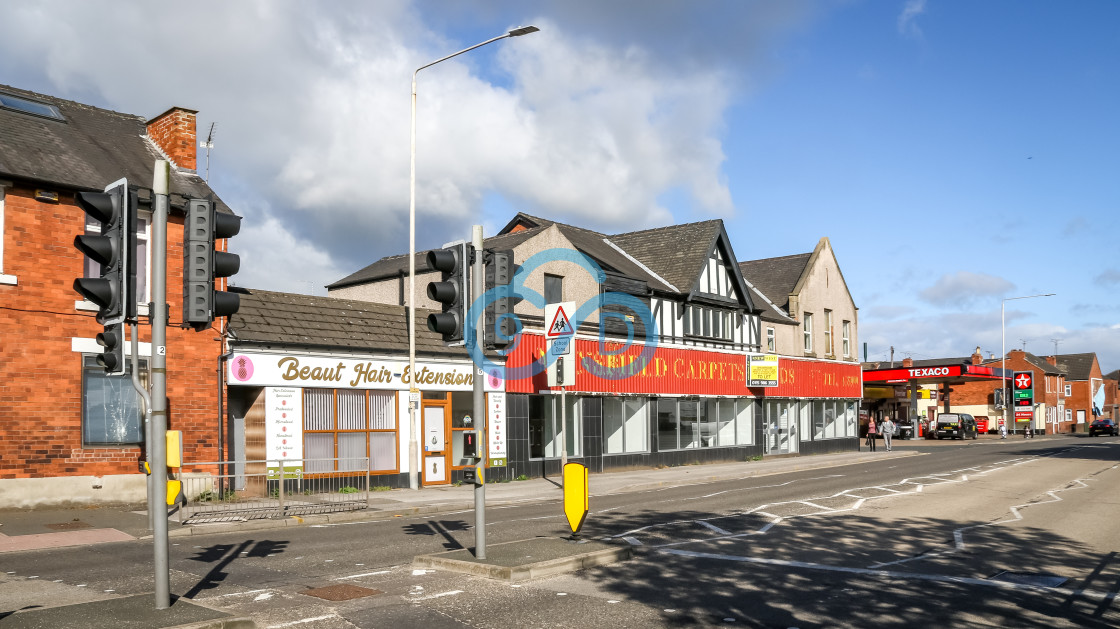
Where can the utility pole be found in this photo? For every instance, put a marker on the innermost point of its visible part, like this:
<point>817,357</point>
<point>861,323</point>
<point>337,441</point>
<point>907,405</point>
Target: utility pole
<point>158,312</point>
<point>478,287</point>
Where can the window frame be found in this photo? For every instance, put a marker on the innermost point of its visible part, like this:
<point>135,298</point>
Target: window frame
<point>624,427</point>
<point>390,400</point>
<point>829,348</point>
<point>807,331</point>
<point>4,278</point>
<point>846,337</point>
<point>771,340</point>
<point>557,282</point>
<point>551,419</point>
<point>90,367</point>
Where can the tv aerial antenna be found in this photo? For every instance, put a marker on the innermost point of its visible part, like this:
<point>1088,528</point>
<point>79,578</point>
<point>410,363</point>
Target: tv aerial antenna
<point>208,144</point>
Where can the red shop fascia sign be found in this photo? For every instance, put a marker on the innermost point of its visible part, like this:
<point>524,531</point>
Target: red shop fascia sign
<point>614,367</point>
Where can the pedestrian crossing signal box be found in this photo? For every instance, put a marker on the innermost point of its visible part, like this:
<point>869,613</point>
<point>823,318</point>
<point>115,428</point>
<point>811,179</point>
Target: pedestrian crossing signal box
<point>470,444</point>
<point>474,475</point>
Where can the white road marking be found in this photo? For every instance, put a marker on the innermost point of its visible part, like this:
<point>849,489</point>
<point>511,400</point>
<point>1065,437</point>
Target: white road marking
<point>240,593</point>
<point>358,576</point>
<point>300,622</point>
<point>958,534</point>
<point>892,575</point>
<point>906,486</point>
<point>712,527</point>
<point>440,595</point>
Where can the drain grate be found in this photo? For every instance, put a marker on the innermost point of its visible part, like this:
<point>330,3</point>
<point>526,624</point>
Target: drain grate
<point>1030,578</point>
<point>341,592</point>
<point>69,526</point>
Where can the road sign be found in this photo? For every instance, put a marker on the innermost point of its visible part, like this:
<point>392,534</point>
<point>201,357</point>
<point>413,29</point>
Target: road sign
<point>1022,383</point>
<point>575,496</point>
<point>561,345</point>
<point>557,315</point>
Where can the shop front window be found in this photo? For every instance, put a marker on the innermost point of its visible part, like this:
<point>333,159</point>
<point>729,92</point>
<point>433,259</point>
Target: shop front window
<point>347,430</point>
<point>545,418</point>
<point>625,425</point>
<point>686,424</point>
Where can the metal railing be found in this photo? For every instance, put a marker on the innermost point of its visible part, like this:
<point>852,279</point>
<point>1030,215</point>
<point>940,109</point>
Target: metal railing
<point>249,490</point>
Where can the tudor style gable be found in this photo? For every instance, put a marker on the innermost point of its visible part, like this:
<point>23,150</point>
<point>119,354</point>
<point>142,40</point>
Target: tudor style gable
<point>709,304</point>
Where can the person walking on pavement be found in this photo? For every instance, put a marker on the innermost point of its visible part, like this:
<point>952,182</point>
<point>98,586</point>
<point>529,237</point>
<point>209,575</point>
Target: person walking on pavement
<point>1002,430</point>
<point>871,434</point>
<point>888,431</point>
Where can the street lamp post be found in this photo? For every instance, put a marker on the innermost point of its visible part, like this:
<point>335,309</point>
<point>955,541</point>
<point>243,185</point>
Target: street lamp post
<point>1003,343</point>
<point>413,391</point>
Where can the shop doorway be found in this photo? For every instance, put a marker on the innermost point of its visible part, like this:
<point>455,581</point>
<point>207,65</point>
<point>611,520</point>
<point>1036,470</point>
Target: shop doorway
<point>434,416</point>
<point>445,418</point>
<point>781,427</point>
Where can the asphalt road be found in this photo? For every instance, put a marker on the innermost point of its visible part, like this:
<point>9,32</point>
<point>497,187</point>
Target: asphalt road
<point>998,533</point>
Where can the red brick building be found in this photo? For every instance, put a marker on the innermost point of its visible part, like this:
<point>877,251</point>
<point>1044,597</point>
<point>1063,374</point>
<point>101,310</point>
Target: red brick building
<point>978,398</point>
<point>1084,389</point>
<point>68,432</point>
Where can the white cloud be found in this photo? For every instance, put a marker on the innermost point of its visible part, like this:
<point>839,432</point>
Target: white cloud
<point>312,106</point>
<point>908,19</point>
<point>963,288</point>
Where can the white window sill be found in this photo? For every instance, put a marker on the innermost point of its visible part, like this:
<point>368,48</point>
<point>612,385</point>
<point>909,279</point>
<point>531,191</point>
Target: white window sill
<point>7,279</point>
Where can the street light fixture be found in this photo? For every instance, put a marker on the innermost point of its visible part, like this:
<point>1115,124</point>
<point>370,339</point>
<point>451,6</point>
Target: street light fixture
<point>413,391</point>
<point>1003,343</point>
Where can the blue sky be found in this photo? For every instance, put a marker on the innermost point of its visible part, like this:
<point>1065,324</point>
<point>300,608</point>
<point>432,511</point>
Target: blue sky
<point>955,153</point>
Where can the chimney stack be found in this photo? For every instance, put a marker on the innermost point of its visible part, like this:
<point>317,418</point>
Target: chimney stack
<point>907,362</point>
<point>175,133</point>
<point>1053,360</point>
<point>977,357</point>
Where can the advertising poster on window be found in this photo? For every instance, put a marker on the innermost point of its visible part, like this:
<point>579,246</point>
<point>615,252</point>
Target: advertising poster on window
<point>496,417</point>
<point>283,426</point>
<point>762,371</point>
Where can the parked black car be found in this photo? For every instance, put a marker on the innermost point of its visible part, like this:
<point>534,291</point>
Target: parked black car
<point>1102,427</point>
<point>955,426</point>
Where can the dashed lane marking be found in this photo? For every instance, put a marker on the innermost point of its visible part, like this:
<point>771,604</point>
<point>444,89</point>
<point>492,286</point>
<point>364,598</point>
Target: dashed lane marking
<point>895,576</point>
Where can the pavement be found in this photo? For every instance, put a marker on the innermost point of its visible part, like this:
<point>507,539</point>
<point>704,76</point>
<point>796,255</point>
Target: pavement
<point>26,604</point>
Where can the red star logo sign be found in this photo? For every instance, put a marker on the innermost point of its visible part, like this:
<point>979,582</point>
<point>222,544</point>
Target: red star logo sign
<point>1023,381</point>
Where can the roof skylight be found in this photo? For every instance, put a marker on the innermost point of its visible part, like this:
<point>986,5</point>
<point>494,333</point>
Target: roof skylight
<point>7,101</point>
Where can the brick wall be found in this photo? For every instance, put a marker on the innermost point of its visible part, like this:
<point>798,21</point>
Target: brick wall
<point>982,392</point>
<point>40,374</point>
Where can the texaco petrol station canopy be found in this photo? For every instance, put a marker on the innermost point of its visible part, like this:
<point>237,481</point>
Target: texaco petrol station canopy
<point>949,373</point>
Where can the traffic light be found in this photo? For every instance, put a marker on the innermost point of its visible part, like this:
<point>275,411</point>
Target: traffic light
<point>499,325</point>
<point>114,290</point>
<point>202,264</point>
<point>454,263</point>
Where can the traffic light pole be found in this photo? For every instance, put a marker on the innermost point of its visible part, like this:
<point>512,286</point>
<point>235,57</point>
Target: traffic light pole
<point>147,400</point>
<point>158,315</point>
<point>478,287</point>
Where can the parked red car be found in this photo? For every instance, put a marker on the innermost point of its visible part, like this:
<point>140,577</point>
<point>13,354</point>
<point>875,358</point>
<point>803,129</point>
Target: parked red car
<point>983,426</point>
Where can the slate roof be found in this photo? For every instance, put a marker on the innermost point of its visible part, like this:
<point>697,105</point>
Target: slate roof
<point>1036,361</point>
<point>391,266</point>
<point>272,318</point>
<point>1113,375</point>
<point>776,277</point>
<point>676,252</point>
<point>767,310</point>
<point>92,148</point>
<point>1078,366</point>
<point>586,241</point>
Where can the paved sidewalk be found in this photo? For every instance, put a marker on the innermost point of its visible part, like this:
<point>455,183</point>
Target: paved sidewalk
<point>26,604</point>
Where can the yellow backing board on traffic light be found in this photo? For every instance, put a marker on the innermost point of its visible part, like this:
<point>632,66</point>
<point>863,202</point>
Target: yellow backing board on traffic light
<point>575,495</point>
